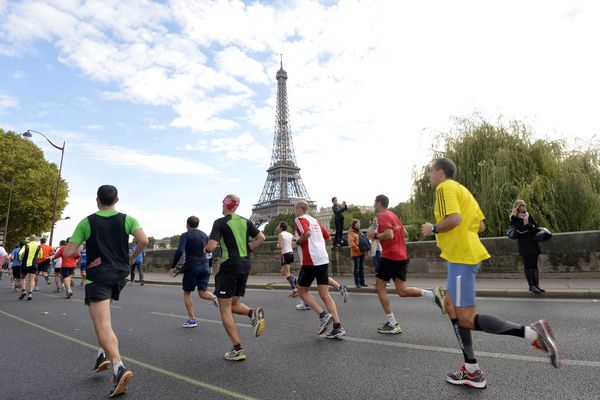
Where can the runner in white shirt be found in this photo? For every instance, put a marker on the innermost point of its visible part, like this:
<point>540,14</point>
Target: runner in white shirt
<point>4,259</point>
<point>315,263</point>
<point>284,244</point>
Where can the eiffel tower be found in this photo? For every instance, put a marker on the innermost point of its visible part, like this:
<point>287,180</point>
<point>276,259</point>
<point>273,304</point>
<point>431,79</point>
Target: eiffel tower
<point>284,186</point>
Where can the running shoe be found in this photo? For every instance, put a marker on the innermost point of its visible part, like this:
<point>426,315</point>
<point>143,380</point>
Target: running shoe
<point>120,381</point>
<point>29,297</point>
<point>388,329</point>
<point>190,323</point>
<point>302,307</point>
<point>141,282</point>
<point>258,321</point>
<point>48,281</point>
<point>22,295</point>
<point>235,355</point>
<point>102,363</point>
<point>464,377</point>
<point>293,293</point>
<point>69,294</point>
<point>336,333</point>
<point>215,302</point>
<point>343,290</point>
<point>439,298</point>
<point>36,289</point>
<point>324,322</point>
<point>546,342</point>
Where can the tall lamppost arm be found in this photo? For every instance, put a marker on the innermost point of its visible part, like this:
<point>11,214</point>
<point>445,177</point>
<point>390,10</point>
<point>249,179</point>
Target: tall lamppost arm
<point>62,154</point>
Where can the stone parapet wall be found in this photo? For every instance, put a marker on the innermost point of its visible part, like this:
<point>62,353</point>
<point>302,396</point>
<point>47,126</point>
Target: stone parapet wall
<point>566,253</point>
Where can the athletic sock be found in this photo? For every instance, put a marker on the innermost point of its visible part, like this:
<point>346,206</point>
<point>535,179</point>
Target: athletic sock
<point>428,294</point>
<point>497,326</point>
<point>237,347</point>
<point>465,341</point>
<point>100,351</point>
<point>290,279</point>
<point>472,367</point>
<point>116,365</point>
<point>336,325</point>
<point>530,334</point>
<point>391,319</point>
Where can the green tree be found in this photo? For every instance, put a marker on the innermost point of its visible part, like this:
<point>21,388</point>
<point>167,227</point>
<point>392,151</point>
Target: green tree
<point>355,212</point>
<point>501,163</point>
<point>151,242</point>
<point>33,189</point>
<point>271,227</point>
<point>174,241</point>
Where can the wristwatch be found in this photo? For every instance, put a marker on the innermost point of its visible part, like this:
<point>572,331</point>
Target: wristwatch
<point>434,228</point>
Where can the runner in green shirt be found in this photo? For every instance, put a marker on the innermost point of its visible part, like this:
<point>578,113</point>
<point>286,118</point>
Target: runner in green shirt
<point>106,235</point>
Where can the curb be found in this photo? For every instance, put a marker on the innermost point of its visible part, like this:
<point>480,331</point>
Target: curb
<point>513,293</point>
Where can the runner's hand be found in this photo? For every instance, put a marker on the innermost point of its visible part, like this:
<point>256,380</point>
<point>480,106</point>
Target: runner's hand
<point>173,271</point>
<point>371,234</point>
<point>427,229</point>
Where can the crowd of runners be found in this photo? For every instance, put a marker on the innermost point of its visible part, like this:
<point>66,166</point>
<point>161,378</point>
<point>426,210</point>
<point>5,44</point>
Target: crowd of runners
<point>103,239</point>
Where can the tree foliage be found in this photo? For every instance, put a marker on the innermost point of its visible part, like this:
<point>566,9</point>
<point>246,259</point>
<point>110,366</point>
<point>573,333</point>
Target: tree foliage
<point>355,212</point>
<point>33,190</point>
<point>271,227</point>
<point>500,164</point>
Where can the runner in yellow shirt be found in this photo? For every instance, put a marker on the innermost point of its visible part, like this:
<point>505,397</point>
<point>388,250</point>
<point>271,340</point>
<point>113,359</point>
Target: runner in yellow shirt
<point>459,221</point>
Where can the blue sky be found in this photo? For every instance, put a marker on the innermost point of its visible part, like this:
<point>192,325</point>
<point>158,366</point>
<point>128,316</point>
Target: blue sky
<point>173,102</point>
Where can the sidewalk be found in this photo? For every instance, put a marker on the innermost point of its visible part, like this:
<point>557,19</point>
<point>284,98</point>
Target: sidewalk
<point>581,286</point>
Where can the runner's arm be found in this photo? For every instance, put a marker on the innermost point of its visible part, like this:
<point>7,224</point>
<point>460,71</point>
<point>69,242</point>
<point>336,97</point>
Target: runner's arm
<point>257,241</point>
<point>449,222</point>
<point>71,249</point>
<point>481,226</point>
<point>280,241</point>
<point>211,246</point>
<point>142,242</point>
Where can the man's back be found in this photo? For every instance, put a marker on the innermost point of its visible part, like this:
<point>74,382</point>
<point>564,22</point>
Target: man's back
<point>313,250</point>
<point>461,244</point>
<point>233,232</point>
<point>394,249</point>
<point>193,243</point>
<point>29,254</point>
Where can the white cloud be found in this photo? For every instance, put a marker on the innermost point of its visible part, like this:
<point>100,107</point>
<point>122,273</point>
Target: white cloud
<point>118,156</point>
<point>236,63</point>
<point>94,126</point>
<point>7,102</point>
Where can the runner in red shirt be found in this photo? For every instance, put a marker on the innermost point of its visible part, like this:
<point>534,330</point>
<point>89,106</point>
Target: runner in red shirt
<point>393,265</point>
<point>43,263</point>
<point>67,268</point>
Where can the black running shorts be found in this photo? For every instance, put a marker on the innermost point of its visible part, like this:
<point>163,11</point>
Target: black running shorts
<point>100,291</point>
<point>309,273</point>
<point>230,284</point>
<point>16,272</point>
<point>287,258</point>
<point>44,266</point>
<point>67,272</point>
<point>391,269</point>
<point>27,270</point>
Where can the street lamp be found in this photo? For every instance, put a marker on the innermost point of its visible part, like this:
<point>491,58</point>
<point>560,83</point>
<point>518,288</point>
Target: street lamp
<point>28,134</point>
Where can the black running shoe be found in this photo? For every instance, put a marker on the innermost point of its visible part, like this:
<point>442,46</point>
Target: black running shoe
<point>29,297</point>
<point>22,295</point>
<point>121,379</point>
<point>102,363</point>
<point>546,342</point>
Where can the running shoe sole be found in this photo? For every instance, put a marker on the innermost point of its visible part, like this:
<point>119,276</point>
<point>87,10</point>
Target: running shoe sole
<point>337,335</point>
<point>259,322</point>
<point>325,324</point>
<point>464,382</point>
<point>439,299</point>
<point>189,326</point>
<point>22,296</point>
<point>240,357</point>
<point>103,366</point>
<point>122,385</point>
<point>299,307</point>
<point>544,332</point>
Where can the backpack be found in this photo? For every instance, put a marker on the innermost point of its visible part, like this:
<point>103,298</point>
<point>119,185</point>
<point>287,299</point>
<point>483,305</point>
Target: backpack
<point>512,233</point>
<point>364,244</point>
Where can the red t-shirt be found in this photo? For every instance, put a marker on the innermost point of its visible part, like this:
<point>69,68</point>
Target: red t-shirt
<point>394,249</point>
<point>67,262</point>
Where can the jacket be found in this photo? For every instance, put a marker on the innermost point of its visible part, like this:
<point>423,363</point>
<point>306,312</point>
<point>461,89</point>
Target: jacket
<point>526,238</point>
<point>353,240</point>
<point>338,211</point>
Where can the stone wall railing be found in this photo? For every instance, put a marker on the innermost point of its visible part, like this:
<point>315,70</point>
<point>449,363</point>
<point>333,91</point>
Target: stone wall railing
<point>565,253</point>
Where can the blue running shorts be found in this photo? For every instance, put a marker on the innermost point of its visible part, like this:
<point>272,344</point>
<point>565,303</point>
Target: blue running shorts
<point>461,283</point>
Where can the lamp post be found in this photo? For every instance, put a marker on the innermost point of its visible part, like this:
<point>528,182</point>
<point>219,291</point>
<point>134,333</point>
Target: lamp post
<point>28,134</point>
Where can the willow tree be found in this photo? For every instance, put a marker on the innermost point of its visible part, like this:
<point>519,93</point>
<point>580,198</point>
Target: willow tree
<point>500,163</point>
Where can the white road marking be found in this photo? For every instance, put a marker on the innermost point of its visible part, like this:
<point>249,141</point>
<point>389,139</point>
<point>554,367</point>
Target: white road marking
<point>210,321</point>
<point>517,357</point>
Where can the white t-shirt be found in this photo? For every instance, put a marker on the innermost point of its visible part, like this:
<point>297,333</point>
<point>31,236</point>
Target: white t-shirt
<point>312,252</point>
<point>286,242</point>
<point>2,254</point>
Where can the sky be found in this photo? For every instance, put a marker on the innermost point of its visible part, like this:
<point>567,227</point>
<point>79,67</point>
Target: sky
<point>173,102</point>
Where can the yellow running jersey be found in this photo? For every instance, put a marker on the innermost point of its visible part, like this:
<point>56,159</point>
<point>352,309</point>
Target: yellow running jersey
<point>460,245</point>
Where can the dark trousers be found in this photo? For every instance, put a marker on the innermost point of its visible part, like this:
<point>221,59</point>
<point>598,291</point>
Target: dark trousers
<point>359,270</point>
<point>531,269</point>
<point>339,232</point>
<point>139,268</point>
<point>376,259</point>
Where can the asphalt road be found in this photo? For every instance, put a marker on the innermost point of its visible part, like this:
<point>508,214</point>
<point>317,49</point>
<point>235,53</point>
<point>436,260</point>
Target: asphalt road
<point>48,350</point>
